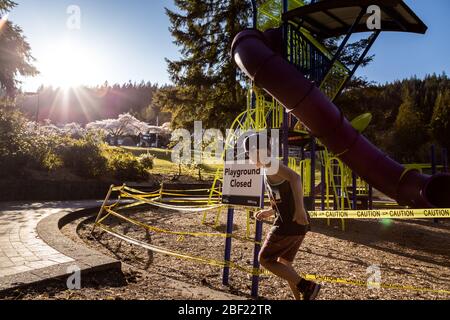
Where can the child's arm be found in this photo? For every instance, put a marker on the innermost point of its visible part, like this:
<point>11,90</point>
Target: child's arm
<point>295,181</point>
<point>264,214</point>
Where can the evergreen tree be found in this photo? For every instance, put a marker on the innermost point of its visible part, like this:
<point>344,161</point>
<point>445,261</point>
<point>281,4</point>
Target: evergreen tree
<point>207,82</point>
<point>440,124</point>
<point>15,52</point>
<point>409,131</point>
<point>88,104</point>
<point>408,115</point>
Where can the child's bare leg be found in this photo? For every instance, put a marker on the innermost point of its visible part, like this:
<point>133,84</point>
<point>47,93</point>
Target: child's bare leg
<point>281,270</point>
<point>270,258</point>
<point>292,285</point>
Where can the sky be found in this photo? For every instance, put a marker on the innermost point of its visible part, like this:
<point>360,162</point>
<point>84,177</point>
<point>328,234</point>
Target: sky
<point>118,41</point>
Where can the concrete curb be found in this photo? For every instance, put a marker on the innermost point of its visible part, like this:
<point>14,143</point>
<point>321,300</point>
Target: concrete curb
<point>49,230</point>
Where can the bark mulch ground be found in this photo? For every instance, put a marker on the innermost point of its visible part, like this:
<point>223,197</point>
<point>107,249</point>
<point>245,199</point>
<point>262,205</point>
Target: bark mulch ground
<point>411,253</point>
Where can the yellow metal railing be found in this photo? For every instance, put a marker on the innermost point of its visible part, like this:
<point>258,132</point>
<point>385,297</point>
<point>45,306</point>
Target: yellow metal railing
<point>270,12</point>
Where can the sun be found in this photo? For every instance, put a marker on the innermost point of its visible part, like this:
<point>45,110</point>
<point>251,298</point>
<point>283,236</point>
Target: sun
<point>69,65</point>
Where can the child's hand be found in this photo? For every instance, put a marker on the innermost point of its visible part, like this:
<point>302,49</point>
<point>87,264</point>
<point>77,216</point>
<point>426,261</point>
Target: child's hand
<point>301,218</point>
<point>263,214</point>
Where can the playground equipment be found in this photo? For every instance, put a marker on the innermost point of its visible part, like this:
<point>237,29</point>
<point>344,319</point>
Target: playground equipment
<point>304,77</point>
<point>259,56</point>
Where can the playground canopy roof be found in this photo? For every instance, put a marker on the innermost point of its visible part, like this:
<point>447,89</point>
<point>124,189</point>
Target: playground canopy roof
<point>331,18</point>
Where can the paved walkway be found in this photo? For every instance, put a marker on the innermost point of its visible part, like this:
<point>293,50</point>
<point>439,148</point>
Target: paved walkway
<point>21,249</point>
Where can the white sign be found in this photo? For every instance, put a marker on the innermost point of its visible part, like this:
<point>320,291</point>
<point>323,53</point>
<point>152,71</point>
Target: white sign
<point>243,184</point>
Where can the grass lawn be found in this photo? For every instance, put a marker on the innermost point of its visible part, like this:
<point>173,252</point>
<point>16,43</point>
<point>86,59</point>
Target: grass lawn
<point>163,163</point>
<point>162,154</point>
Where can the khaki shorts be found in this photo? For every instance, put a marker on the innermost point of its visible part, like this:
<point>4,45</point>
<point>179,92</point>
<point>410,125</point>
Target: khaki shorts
<point>279,246</point>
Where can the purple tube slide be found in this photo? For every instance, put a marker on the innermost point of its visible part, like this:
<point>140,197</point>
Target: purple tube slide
<point>258,55</point>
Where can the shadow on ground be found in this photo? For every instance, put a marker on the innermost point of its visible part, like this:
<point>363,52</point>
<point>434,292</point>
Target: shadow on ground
<point>52,289</point>
<point>416,239</point>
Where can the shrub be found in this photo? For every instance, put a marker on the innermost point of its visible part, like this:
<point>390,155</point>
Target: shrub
<point>51,161</point>
<point>26,144</point>
<point>147,160</point>
<point>124,166</point>
<point>84,157</point>
<point>43,151</point>
<point>15,143</point>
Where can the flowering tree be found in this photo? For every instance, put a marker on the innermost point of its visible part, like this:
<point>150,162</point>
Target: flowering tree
<point>73,130</point>
<point>125,125</point>
<point>166,127</point>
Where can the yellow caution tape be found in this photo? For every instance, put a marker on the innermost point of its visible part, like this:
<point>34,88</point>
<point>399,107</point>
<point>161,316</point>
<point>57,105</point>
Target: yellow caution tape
<point>160,230</point>
<point>181,234</point>
<point>258,272</point>
<point>153,201</point>
<point>360,283</point>
<point>158,249</point>
<point>182,200</point>
<point>129,195</point>
<point>140,192</point>
<point>208,261</point>
<point>131,205</point>
<point>382,214</point>
<point>331,214</point>
<point>165,193</point>
<point>193,190</point>
<point>142,198</point>
<point>185,208</point>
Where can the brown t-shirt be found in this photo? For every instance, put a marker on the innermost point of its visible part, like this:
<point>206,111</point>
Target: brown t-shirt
<point>282,201</point>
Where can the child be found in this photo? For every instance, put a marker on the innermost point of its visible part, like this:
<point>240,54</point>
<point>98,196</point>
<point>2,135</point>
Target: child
<point>291,224</point>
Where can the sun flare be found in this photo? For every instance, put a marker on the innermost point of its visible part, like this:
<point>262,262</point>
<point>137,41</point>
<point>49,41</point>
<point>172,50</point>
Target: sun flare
<point>68,65</point>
